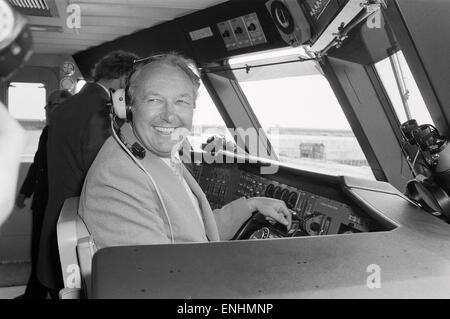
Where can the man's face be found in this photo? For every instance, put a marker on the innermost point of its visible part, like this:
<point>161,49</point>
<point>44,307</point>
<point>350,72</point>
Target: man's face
<point>163,107</point>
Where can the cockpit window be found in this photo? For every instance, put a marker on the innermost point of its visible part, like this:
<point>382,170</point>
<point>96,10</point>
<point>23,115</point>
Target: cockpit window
<point>26,102</point>
<point>207,121</point>
<point>300,114</point>
<point>402,89</point>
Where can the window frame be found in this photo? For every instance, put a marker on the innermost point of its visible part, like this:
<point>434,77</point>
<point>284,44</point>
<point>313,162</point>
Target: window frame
<point>380,176</point>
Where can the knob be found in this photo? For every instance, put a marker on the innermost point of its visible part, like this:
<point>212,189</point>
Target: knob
<point>284,195</point>
<point>238,30</point>
<point>292,200</point>
<point>269,190</point>
<point>226,34</point>
<point>251,27</point>
<point>277,192</point>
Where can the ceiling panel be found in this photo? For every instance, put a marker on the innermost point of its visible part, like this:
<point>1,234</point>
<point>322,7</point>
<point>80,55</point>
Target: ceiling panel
<point>115,10</point>
<point>100,30</point>
<point>69,41</point>
<point>82,35</point>
<point>104,20</point>
<point>183,4</point>
<point>119,21</point>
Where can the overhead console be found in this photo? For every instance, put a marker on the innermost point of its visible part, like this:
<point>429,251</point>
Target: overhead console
<point>318,23</point>
<point>240,27</point>
<point>318,202</point>
<point>234,28</point>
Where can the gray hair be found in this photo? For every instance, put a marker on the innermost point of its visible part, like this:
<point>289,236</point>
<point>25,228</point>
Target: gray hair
<point>174,59</point>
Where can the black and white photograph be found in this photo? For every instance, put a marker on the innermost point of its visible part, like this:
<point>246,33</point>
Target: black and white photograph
<point>227,156</point>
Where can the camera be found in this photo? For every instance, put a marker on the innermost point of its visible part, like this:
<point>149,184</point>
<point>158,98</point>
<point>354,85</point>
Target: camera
<point>432,145</point>
<point>15,40</point>
<point>435,152</point>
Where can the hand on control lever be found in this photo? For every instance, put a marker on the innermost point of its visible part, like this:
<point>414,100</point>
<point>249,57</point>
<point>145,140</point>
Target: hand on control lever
<point>219,142</point>
<point>272,209</point>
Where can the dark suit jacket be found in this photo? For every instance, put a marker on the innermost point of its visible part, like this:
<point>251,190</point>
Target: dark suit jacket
<point>35,182</point>
<point>80,126</point>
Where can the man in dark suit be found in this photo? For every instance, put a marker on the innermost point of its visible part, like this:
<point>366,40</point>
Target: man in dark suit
<point>81,125</point>
<point>36,184</point>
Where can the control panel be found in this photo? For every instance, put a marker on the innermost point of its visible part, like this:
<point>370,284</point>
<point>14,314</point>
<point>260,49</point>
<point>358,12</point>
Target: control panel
<point>290,21</point>
<point>313,214</point>
<point>217,184</point>
<point>242,32</point>
<point>317,215</point>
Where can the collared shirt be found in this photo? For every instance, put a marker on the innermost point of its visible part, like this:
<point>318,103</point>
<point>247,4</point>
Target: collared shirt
<point>192,197</point>
<point>104,87</point>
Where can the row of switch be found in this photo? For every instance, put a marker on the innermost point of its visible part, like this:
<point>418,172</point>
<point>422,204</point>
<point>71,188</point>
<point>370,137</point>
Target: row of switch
<point>249,187</point>
<point>238,30</point>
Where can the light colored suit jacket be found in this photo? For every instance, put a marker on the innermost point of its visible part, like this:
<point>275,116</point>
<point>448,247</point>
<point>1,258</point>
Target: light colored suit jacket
<point>120,206</point>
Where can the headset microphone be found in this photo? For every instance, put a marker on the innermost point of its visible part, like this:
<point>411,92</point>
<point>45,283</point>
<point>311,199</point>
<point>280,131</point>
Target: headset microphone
<point>121,111</point>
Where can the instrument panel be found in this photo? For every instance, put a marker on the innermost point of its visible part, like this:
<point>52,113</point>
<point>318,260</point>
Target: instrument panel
<point>313,215</point>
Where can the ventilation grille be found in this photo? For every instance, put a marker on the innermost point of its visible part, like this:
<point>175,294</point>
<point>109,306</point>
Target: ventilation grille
<point>39,8</point>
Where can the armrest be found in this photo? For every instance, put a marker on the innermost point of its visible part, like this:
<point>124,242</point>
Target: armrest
<point>85,251</point>
<point>70,293</point>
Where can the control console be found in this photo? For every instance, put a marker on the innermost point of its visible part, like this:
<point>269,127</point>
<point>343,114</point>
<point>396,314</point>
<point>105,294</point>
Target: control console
<point>315,215</point>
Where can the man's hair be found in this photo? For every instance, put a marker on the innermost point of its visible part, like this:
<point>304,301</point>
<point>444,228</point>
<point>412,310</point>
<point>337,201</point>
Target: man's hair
<point>174,59</point>
<point>58,96</point>
<point>114,65</point>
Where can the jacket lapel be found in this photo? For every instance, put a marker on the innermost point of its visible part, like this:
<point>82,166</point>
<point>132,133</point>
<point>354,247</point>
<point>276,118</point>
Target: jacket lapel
<point>208,218</point>
<point>164,176</point>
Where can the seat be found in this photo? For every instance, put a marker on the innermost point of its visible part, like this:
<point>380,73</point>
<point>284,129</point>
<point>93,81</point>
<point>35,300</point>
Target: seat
<point>76,250</point>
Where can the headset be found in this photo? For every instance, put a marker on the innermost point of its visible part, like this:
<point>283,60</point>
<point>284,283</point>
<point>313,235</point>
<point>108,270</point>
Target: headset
<point>121,104</point>
<point>120,109</point>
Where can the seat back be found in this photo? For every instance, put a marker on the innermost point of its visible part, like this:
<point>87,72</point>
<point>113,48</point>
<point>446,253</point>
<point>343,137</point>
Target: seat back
<point>76,249</point>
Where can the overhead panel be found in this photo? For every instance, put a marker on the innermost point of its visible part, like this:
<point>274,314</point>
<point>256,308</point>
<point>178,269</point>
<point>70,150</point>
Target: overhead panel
<point>290,20</point>
<point>237,27</point>
<point>242,32</point>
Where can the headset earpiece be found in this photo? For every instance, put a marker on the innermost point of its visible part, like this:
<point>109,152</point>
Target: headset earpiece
<point>119,104</point>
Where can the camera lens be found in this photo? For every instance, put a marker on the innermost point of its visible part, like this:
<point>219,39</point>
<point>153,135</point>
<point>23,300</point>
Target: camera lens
<point>429,139</point>
<point>408,129</point>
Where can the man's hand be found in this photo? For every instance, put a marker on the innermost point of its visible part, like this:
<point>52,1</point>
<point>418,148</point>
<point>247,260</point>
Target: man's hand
<point>217,143</point>
<point>272,209</point>
<point>20,200</point>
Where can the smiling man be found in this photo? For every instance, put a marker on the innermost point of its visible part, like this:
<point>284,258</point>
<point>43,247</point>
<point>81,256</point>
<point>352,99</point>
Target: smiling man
<point>152,198</point>
<point>166,104</point>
